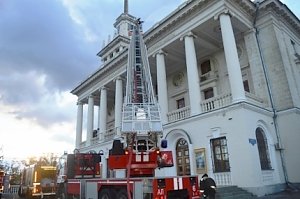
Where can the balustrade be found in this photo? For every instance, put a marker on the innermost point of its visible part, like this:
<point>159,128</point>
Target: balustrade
<point>216,102</point>
<point>223,179</point>
<point>185,112</point>
<point>211,104</point>
<point>179,114</point>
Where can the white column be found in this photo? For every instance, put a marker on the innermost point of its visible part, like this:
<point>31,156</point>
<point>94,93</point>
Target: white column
<point>90,120</point>
<point>192,160</point>
<point>104,167</point>
<point>215,91</point>
<point>99,113</point>
<point>79,125</point>
<point>162,86</point>
<point>192,74</point>
<point>103,112</point>
<point>118,104</point>
<point>232,59</point>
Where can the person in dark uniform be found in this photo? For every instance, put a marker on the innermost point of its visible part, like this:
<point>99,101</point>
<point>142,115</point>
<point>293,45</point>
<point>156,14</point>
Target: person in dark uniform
<point>207,187</point>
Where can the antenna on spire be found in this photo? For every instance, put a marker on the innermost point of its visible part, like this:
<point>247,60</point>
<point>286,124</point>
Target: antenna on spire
<point>125,6</point>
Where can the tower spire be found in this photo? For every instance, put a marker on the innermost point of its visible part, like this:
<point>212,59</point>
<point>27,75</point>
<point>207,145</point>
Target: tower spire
<point>125,6</point>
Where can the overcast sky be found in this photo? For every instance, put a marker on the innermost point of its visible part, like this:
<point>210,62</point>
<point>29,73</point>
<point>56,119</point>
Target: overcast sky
<point>46,48</point>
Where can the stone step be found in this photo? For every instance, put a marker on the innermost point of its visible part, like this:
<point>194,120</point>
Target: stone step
<point>233,192</point>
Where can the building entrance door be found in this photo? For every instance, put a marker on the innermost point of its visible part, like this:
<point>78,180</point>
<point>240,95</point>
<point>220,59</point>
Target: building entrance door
<point>182,158</point>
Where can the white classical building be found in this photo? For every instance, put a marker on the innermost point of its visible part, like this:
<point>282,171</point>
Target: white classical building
<point>227,77</point>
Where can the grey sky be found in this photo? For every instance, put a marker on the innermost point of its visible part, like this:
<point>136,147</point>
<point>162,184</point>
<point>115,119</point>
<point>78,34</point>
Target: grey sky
<point>47,47</point>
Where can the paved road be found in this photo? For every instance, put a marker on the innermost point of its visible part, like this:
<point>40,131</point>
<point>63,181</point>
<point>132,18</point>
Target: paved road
<point>281,195</point>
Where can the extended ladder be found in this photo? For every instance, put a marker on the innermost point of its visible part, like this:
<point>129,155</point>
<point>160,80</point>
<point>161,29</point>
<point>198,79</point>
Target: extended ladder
<point>141,122</point>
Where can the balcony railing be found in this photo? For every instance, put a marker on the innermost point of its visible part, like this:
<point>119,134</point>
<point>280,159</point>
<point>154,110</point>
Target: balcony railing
<point>108,135</point>
<point>185,112</point>
<point>210,105</point>
<point>223,178</point>
<point>216,102</point>
<point>179,114</point>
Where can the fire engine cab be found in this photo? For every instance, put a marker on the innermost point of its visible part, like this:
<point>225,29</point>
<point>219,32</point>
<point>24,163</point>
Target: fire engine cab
<point>137,153</point>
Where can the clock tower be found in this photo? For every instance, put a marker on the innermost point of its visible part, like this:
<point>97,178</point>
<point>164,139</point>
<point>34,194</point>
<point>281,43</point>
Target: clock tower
<point>125,22</point>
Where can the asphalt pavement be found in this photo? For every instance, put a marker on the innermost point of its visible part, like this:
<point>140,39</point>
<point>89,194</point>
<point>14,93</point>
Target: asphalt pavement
<point>287,194</point>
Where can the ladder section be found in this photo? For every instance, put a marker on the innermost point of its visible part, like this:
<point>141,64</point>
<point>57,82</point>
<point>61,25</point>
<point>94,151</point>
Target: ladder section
<point>141,113</point>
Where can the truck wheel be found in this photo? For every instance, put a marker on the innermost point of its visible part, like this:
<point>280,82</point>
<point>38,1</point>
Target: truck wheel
<point>104,194</point>
<point>122,194</point>
<point>61,196</point>
<point>72,196</point>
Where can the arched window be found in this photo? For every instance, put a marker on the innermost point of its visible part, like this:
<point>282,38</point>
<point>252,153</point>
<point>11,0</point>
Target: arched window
<point>263,150</point>
<point>183,158</point>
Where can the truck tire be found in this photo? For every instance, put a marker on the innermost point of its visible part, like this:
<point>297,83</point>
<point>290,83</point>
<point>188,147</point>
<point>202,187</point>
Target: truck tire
<point>122,194</point>
<point>105,194</point>
<point>61,191</point>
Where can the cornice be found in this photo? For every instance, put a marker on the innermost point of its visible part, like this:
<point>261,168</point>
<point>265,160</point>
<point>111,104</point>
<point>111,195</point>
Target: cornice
<point>189,8</point>
<point>103,71</point>
<point>124,17</point>
<point>281,10</point>
<point>113,43</point>
<point>174,19</point>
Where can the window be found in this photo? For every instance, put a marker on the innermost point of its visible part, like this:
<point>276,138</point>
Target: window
<point>183,158</point>
<point>220,154</point>
<point>263,150</point>
<point>130,27</point>
<point>180,103</point>
<point>205,67</point>
<point>246,86</point>
<point>95,133</point>
<point>247,80</point>
<point>208,93</point>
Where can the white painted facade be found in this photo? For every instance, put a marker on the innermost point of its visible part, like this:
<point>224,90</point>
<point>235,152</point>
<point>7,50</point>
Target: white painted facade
<point>266,62</point>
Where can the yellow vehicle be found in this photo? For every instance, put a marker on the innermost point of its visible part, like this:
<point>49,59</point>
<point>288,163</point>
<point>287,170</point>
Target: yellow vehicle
<point>38,181</point>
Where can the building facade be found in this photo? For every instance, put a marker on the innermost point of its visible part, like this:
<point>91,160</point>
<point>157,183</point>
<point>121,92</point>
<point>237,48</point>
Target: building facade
<point>227,78</point>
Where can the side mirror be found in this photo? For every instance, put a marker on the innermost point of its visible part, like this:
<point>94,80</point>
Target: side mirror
<point>164,144</point>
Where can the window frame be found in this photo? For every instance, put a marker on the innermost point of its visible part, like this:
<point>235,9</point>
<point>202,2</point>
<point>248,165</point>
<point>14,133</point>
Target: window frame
<point>180,103</point>
<point>221,162</point>
<point>263,149</point>
<point>183,160</point>
<point>205,67</point>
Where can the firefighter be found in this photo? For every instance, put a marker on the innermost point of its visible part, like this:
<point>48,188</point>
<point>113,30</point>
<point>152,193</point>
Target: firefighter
<point>207,187</point>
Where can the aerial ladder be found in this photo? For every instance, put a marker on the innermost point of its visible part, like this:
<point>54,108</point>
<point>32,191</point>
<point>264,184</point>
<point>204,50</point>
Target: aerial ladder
<point>141,123</point>
<point>137,153</point>
<point>142,130</point>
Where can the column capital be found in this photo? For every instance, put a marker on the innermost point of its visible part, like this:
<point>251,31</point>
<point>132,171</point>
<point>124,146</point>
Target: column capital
<point>90,96</point>
<point>79,103</point>
<point>188,34</point>
<point>118,78</point>
<point>224,11</point>
<point>160,52</point>
<point>102,88</point>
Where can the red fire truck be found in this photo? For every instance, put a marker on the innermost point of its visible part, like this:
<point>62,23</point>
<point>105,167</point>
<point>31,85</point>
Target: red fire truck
<point>136,154</point>
<point>38,181</point>
<point>79,176</point>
